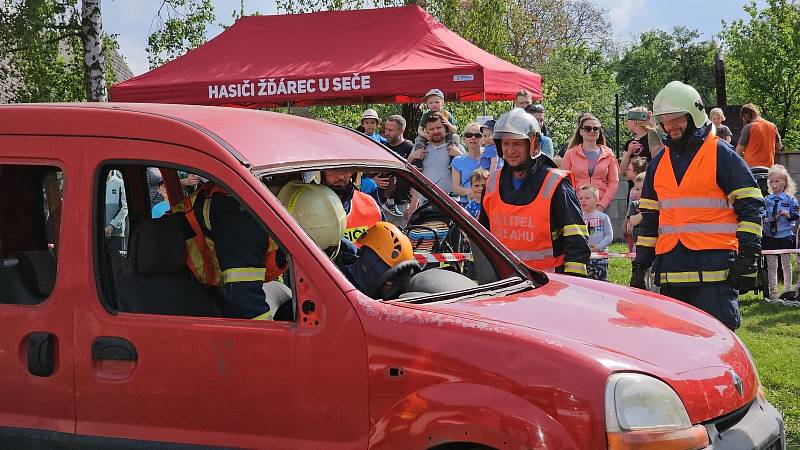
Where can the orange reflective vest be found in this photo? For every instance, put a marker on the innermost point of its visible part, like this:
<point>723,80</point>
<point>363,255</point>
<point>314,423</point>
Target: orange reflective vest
<point>760,149</point>
<point>525,229</point>
<point>364,213</point>
<point>201,256</point>
<point>696,213</point>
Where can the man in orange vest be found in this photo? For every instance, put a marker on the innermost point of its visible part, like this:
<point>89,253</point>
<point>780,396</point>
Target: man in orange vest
<point>759,139</point>
<point>530,205</point>
<point>701,212</point>
<point>362,209</point>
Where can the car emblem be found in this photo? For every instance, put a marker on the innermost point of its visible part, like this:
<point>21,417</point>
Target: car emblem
<point>737,382</point>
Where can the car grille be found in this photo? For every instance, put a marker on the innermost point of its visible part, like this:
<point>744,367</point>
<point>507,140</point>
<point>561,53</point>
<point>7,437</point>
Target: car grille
<point>729,420</point>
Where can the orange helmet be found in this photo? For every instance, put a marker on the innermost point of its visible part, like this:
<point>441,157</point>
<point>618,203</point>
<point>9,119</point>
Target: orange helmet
<point>388,242</point>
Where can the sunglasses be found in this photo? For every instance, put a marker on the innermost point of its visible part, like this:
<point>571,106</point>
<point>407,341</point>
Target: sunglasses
<point>591,129</point>
<point>472,135</point>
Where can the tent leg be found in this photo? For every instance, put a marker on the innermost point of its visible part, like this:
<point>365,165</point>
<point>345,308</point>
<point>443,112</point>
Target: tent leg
<point>484,103</point>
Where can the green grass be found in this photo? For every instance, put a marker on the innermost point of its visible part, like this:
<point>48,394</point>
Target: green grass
<point>772,332</point>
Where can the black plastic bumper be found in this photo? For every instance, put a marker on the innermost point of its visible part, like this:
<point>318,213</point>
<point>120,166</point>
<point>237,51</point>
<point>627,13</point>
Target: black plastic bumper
<point>761,428</point>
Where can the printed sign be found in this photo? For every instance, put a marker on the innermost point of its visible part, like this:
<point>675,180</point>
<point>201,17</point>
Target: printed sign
<point>463,77</point>
<point>269,87</point>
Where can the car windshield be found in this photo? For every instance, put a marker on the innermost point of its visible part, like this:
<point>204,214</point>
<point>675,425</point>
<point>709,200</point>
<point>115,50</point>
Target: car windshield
<point>390,250</point>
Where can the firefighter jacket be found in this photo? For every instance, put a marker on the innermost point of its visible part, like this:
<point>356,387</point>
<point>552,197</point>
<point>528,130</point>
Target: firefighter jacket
<point>227,247</point>
<point>699,203</point>
<point>541,222</point>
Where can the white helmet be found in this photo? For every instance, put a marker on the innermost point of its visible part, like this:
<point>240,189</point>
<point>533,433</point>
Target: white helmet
<point>317,209</point>
<point>677,99</point>
<point>516,124</point>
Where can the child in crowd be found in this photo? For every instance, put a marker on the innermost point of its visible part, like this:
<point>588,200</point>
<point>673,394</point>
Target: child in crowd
<point>434,100</point>
<point>634,216</point>
<point>782,211</point>
<point>369,123</point>
<point>638,166</point>
<point>600,232</point>
<point>477,182</point>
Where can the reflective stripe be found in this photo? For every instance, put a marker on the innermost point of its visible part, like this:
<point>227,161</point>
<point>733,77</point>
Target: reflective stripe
<point>575,267</point>
<point>266,316</point>
<point>694,202</point>
<point>698,228</point>
<point>550,183</point>
<point>747,192</point>
<point>646,203</point>
<point>750,227</point>
<point>645,241</point>
<point>532,255</point>
<point>239,274</point>
<point>207,213</point>
<point>575,230</point>
<point>694,277</point>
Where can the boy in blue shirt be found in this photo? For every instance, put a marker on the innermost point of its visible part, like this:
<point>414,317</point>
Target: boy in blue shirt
<point>370,122</point>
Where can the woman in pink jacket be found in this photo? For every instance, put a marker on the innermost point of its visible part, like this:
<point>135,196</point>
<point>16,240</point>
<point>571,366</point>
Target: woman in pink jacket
<point>591,162</point>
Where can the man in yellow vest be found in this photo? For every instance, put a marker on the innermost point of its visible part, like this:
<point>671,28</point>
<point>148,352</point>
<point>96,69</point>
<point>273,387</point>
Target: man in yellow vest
<point>701,212</point>
<point>362,210</point>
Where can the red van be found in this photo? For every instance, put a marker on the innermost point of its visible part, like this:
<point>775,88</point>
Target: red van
<point>108,342</point>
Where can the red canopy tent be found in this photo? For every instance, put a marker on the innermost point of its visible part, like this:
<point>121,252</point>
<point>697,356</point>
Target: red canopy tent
<point>388,55</point>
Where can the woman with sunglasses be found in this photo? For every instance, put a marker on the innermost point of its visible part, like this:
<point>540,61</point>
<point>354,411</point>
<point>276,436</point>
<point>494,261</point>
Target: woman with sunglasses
<point>591,161</point>
<point>463,166</point>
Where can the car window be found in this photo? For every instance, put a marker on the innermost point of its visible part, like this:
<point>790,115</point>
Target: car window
<point>408,255</point>
<point>30,219</point>
<point>174,242</point>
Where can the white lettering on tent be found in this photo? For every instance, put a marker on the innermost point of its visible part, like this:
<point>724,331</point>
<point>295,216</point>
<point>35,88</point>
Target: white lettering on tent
<point>268,87</point>
<point>463,77</point>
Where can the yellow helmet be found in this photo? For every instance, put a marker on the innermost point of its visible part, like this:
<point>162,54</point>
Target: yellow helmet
<point>388,242</point>
<point>317,209</point>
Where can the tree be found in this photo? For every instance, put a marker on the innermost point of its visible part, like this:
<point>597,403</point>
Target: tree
<point>576,80</point>
<point>537,28</point>
<point>763,56</point>
<point>660,57</point>
<point>94,63</point>
<point>178,26</point>
<point>42,50</point>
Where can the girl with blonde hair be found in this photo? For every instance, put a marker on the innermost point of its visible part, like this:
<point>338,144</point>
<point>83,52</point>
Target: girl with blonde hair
<point>717,117</point>
<point>781,213</point>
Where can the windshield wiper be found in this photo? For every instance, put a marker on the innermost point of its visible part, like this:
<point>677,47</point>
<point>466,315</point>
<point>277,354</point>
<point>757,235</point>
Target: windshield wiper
<point>507,286</point>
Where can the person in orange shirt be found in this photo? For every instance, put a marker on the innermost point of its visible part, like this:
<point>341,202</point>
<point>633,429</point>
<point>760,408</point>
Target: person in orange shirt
<point>759,139</point>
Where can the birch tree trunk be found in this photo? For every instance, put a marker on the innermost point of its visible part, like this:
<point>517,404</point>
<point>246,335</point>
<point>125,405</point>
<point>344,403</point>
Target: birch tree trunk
<point>94,63</point>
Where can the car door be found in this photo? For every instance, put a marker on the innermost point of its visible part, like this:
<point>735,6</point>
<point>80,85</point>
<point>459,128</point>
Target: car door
<point>219,381</point>
<point>37,288</point>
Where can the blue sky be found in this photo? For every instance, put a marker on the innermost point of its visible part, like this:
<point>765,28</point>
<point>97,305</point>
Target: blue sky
<point>131,19</point>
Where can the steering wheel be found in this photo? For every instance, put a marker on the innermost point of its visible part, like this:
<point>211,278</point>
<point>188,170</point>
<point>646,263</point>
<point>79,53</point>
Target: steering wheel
<point>398,276</point>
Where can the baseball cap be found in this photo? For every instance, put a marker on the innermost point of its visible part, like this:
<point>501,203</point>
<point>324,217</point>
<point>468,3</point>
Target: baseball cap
<point>435,92</point>
<point>489,124</point>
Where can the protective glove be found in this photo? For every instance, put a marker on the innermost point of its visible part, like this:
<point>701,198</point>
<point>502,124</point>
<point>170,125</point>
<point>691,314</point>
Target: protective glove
<point>638,274</point>
<point>742,275</point>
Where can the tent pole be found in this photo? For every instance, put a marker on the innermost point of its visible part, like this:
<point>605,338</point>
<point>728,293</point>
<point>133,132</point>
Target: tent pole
<point>484,103</point>
<point>289,106</point>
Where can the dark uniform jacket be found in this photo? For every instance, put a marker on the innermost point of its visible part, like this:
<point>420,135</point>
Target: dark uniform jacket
<point>565,211</point>
<point>733,177</point>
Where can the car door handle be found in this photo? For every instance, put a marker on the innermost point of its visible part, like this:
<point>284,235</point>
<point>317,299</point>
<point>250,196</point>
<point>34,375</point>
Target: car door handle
<point>41,347</point>
<point>114,348</point>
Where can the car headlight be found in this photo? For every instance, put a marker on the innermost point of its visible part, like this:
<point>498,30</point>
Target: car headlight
<point>644,412</point>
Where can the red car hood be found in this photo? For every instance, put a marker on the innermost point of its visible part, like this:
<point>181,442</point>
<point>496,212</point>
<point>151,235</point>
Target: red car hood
<point>630,330</point>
